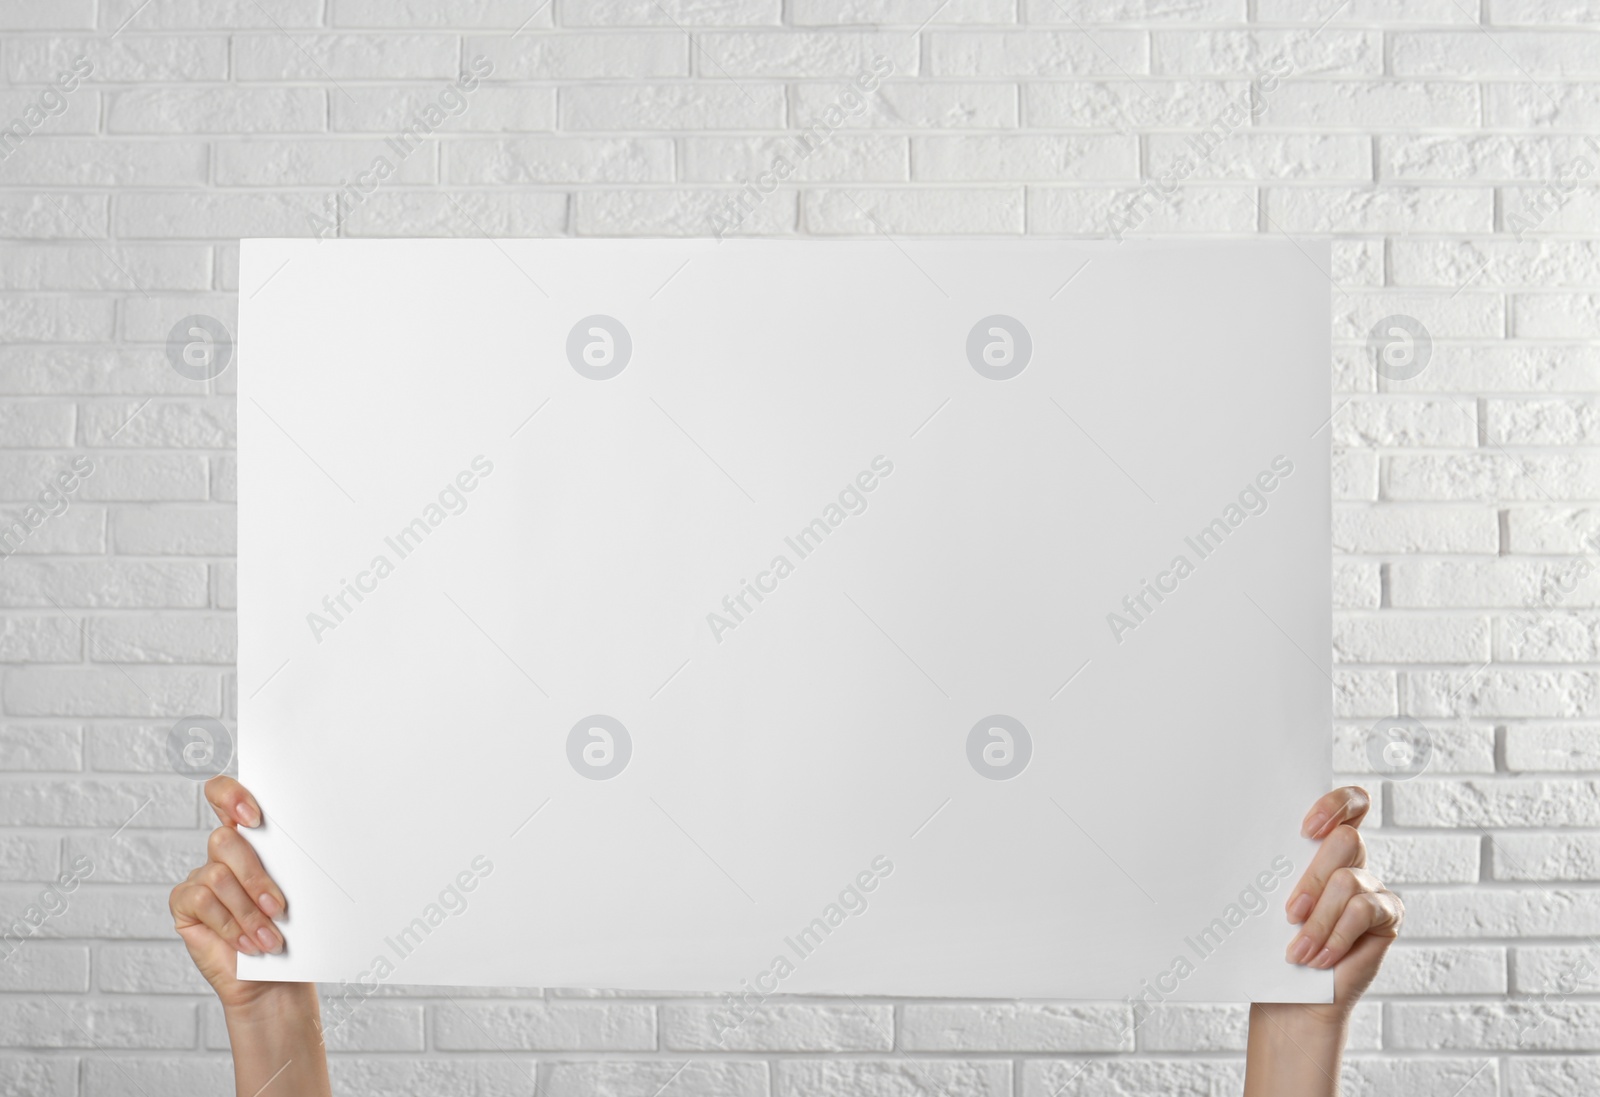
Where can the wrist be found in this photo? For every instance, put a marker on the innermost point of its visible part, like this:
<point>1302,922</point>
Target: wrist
<point>272,1005</point>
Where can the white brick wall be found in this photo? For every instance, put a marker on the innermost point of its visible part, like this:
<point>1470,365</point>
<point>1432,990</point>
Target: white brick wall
<point>1445,144</point>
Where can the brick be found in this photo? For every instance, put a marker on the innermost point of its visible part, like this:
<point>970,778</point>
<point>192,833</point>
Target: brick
<point>1415,529</point>
<point>521,160</point>
<point>679,212</point>
<point>777,1027</point>
<point>46,584</point>
<point>854,158</point>
<point>216,110</point>
<point>105,266</point>
<point>148,969</point>
<point>1365,105</point>
<point>47,639</point>
<point>1092,1077</point>
<point>133,1076</point>
<point>1178,1026</point>
<point>166,638</point>
<point>56,319</point>
<point>95,912</point>
<point>1455,748</point>
<point>1423,858</point>
<point>1564,530</point>
<point>535,1026</point>
<point>465,14</point>
<point>1024,157</point>
<point>1552,747</point>
<point>637,106</point>
<point>137,58</point>
<point>394,109</point>
<point>1556,315</point>
<point>1521,104</point>
<point>158,424</point>
<point>1514,55</point>
<point>1544,584</point>
<point>1508,802</point>
<point>1553,636</point>
<point>905,12</point>
<point>333,57</point>
<point>1545,857</point>
<point>1363,693</point>
<point>534,56</point>
<point>1034,53</point>
<point>952,1077</point>
<point>458,214</point>
<point>1554,969</point>
<point>95,691</point>
<point>1502,912</point>
<point>65,161</point>
<point>1463,315</point>
<point>1430,1077</point>
<point>1493,475</point>
<point>68,370</point>
<point>41,747</point>
<point>900,104</point>
<point>644,1078</point>
<point>1513,1026</point>
<point>798,53</point>
<point>920,209</point>
<point>1231,52</point>
<point>43,216</point>
<point>1428,970</point>
<point>635,13</point>
<point>1392,638</point>
<point>1313,156</point>
<point>40,968</point>
<point>52,15</point>
<point>329,163</point>
<point>1317,209</point>
<point>1015,1027</point>
<point>1495,692</point>
<point>1495,157</point>
<point>139,858</point>
<point>33,1076</point>
<point>1138,211</point>
<point>33,857</point>
<point>202,216</point>
<point>1552,1076</point>
<point>1356,585</point>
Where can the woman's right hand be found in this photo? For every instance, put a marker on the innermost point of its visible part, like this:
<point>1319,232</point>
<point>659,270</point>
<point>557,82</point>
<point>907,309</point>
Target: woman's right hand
<point>227,905</point>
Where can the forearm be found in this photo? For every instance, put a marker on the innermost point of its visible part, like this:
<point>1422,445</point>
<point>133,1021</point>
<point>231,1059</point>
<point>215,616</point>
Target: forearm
<point>1290,1055</point>
<point>277,1043</point>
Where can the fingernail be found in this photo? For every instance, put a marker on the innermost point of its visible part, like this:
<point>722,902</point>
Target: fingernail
<point>1324,958</point>
<point>248,947</point>
<point>247,814</point>
<point>1313,825</point>
<point>1300,908</point>
<point>1300,949</point>
<point>268,939</point>
<point>269,905</point>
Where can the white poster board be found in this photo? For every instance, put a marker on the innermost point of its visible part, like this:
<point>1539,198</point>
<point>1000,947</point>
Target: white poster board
<point>870,617</point>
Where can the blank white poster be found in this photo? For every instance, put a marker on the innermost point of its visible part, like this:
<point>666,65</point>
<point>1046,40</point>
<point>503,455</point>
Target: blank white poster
<point>886,617</point>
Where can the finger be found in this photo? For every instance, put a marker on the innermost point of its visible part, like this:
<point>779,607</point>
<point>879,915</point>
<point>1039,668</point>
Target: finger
<point>227,846</point>
<point>1370,912</point>
<point>195,904</point>
<point>1342,848</point>
<point>257,926</point>
<point>232,802</point>
<point>1343,805</point>
<point>1343,885</point>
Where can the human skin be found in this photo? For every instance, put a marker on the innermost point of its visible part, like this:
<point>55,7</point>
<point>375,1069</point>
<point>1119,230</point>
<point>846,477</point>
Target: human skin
<point>229,905</point>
